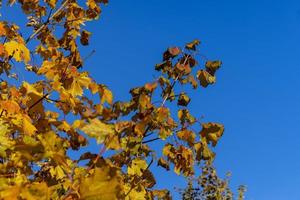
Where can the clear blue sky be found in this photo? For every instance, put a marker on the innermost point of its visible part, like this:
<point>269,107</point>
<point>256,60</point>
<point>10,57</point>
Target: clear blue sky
<point>257,92</point>
<point>257,95</point>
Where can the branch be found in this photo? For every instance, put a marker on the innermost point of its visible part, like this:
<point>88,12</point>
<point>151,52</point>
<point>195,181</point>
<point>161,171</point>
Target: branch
<point>54,100</point>
<point>48,21</point>
<point>151,140</point>
<point>102,150</point>
<point>38,101</point>
<point>1,113</point>
<point>146,135</point>
<point>173,84</point>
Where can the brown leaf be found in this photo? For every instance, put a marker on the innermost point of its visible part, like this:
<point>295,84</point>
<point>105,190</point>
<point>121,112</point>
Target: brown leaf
<point>85,36</point>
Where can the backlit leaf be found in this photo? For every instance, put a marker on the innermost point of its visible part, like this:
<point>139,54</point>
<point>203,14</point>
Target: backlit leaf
<point>97,129</point>
<point>18,51</point>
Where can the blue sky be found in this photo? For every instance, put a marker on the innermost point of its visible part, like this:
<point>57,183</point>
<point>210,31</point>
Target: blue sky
<point>257,92</point>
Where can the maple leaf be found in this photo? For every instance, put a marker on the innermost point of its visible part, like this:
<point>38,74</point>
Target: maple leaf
<point>105,94</point>
<point>17,50</point>
<point>79,81</point>
<point>192,45</point>
<point>137,167</point>
<point>24,124</point>
<point>48,68</point>
<point>205,78</point>
<point>187,135</point>
<point>137,193</point>
<point>57,172</point>
<point>104,183</point>
<point>35,96</point>
<point>212,131</point>
<point>97,129</point>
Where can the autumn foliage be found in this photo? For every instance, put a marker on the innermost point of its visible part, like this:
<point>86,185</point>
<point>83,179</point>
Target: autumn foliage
<point>42,120</point>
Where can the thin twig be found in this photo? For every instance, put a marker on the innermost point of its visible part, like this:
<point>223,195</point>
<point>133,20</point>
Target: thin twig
<point>174,82</point>
<point>151,140</point>
<point>146,135</point>
<point>48,21</point>
<point>101,151</point>
<point>54,100</point>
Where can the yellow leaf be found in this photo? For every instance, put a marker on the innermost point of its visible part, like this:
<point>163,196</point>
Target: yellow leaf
<point>161,194</point>
<point>6,142</point>
<point>28,128</point>
<point>10,193</point>
<point>11,107</point>
<point>104,184</point>
<point>77,124</point>
<point>52,3</point>
<point>64,126</point>
<point>24,123</point>
<point>79,81</point>
<point>205,78</point>
<point>162,114</point>
<point>137,167</point>
<point>105,94</point>
<point>113,142</point>
<point>35,96</point>
<point>91,4</point>
<point>97,129</point>
<point>145,102</point>
<point>93,87</point>
<point>47,68</point>
<point>54,147</point>
<point>57,172</point>
<point>139,128</point>
<point>164,133</point>
<point>212,132</point>
<point>137,193</point>
<point>35,191</point>
<point>187,135</point>
<point>17,50</point>
<point>192,45</point>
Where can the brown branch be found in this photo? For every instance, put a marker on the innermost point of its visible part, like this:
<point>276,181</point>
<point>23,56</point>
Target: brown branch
<point>54,100</point>
<point>151,140</point>
<point>1,113</point>
<point>102,150</point>
<point>146,135</point>
<point>38,101</point>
